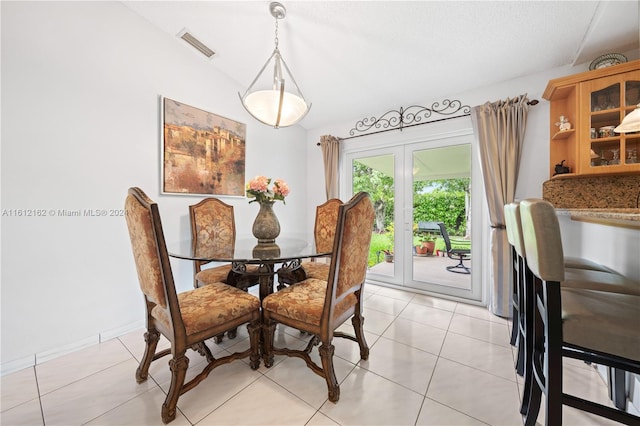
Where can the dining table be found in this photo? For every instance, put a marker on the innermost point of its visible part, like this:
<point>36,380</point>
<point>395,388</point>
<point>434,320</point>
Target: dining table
<point>287,251</point>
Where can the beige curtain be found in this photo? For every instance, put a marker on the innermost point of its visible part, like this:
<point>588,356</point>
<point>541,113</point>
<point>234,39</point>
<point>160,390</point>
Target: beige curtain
<point>500,128</point>
<point>330,153</point>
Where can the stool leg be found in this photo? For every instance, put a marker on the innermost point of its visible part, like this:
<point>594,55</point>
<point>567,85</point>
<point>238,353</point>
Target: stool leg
<point>617,391</point>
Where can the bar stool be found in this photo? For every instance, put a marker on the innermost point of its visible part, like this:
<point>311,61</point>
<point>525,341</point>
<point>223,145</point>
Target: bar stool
<point>579,272</point>
<point>591,325</point>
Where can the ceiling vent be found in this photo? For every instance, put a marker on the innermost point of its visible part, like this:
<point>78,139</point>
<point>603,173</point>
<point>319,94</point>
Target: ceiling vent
<point>197,44</point>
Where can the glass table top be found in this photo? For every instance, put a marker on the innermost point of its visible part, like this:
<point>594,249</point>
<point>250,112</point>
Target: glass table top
<point>247,250</point>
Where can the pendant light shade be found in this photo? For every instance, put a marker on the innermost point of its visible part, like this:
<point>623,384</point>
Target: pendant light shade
<point>630,123</point>
<point>274,98</point>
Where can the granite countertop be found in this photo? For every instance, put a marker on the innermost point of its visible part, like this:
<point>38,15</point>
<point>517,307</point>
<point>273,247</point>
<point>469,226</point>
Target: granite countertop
<point>616,216</point>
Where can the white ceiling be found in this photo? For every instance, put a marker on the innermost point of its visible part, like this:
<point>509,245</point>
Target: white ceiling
<point>353,59</point>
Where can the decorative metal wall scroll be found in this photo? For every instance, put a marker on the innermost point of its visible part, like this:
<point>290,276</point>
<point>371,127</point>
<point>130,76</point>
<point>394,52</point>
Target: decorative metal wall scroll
<point>411,116</point>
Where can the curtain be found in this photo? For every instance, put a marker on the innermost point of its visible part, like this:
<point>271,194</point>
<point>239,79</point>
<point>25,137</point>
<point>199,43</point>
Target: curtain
<point>500,128</point>
<point>330,153</point>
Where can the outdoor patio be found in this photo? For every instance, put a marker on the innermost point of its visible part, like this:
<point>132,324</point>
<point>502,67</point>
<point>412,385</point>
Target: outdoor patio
<point>431,269</point>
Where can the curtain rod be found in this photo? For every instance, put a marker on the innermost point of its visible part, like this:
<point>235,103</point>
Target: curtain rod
<point>405,117</point>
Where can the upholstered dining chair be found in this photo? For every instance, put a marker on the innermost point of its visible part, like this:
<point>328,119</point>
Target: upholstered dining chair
<point>213,229</point>
<point>324,232</point>
<point>187,319</point>
<point>319,307</point>
<point>591,325</point>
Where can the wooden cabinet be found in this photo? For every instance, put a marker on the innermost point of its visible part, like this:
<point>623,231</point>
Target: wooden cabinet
<point>594,102</point>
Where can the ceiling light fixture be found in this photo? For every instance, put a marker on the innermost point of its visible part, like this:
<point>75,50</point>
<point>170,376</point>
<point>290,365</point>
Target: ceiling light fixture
<point>267,99</point>
<point>630,123</point>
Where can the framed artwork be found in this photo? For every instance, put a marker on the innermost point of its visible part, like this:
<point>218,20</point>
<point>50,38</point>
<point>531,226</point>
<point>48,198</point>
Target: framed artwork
<point>202,153</point>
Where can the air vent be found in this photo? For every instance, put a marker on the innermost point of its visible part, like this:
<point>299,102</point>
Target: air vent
<point>197,44</point>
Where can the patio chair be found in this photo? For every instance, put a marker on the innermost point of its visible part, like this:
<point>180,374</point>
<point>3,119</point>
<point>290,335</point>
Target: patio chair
<point>459,254</point>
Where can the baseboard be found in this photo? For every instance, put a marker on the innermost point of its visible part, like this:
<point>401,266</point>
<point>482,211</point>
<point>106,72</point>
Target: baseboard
<point>66,349</point>
<point>17,365</point>
<point>40,357</point>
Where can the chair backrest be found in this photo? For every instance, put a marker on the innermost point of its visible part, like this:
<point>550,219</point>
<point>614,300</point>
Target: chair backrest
<point>213,228</point>
<point>542,239</point>
<point>324,230</point>
<point>514,227</point>
<point>350,256</point>
<point>150,253</point>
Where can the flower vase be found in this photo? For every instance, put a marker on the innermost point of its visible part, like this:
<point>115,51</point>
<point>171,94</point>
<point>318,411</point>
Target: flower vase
<point>266,226</point>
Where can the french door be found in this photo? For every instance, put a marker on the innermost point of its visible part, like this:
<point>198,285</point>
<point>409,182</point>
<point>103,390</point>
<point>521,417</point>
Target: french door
<point>400,177</point>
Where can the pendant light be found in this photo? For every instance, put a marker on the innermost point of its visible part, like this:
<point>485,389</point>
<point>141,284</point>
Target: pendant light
<point>275,98</point>
<point>630,123</point>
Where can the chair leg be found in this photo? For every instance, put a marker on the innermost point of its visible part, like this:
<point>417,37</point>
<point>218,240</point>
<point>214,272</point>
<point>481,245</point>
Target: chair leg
<point>358,327</point>
<point>553,355</point>
<point>534,374</point>
<point>517,340</point>
<point>255,329</point>
<point>514,325</point>
<point>515,306</point>
<point>178,366</point>
<point>326,356</point>
<point>520,358</point>
<point>460,265</point>
<point>531,392</point>
<point>526,336</point>
<point>617,388</point>
<point>268,332</point>
<point>203,350</point>
<point>533,404</point>
<point>151,338</point>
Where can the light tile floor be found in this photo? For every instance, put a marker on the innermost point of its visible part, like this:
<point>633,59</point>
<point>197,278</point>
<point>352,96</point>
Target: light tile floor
<point>432,362</point>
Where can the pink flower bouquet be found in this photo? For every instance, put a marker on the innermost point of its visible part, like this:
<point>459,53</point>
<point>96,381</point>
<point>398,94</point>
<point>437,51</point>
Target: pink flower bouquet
<point>258,189</point>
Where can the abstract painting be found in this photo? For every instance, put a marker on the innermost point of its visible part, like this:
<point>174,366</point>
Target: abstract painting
<point>203,153</point>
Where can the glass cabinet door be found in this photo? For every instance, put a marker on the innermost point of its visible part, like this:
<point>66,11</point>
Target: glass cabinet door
<point>605,116</point>
<point>632,142</point>
<point>610,99</point>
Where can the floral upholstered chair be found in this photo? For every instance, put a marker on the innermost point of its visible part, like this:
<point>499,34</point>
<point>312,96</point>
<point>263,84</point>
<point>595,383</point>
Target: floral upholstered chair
<point>324,232</point>
<point>213,230</point>
<point>319,307</point>
<point>187,319</point>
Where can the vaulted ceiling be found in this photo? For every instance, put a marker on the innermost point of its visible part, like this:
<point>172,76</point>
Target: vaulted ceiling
<point>353,59</point>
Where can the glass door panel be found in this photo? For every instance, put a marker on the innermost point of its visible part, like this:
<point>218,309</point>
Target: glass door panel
<point>441,193</point>
<point>376,175</point>
<point>401,178</point>
<point>632,93</point>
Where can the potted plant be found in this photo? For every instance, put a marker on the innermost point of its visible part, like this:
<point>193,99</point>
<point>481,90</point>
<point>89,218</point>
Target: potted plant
<point>388,255</point>
<point>427,242</point>
<point>421,250</point>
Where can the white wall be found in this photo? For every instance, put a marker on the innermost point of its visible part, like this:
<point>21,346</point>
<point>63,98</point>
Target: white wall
<point>81,83</point>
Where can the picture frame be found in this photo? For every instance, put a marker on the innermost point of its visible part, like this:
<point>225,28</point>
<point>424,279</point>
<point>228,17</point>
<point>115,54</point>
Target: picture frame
<point>202,153</point>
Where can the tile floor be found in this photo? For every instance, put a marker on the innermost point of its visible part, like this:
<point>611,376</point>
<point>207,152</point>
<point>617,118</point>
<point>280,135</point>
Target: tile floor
<point>432,362</point>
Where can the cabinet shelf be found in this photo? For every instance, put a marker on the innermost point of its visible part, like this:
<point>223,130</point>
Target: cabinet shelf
<point>591,101</point>
<point>563,134</point>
